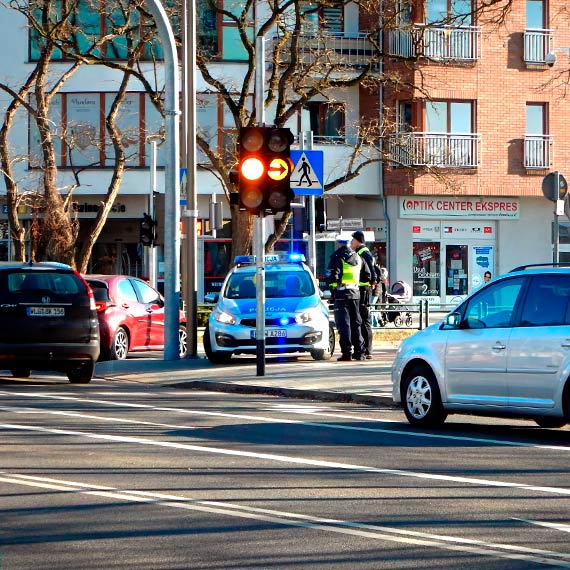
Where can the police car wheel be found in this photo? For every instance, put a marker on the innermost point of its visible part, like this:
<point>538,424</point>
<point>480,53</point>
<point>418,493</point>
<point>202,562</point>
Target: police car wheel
<point>214,356</point>
<point>322,353</point>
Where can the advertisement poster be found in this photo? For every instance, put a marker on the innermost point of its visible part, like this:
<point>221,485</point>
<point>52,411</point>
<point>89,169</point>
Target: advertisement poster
<point>426,269</point>
<point>482,265</point>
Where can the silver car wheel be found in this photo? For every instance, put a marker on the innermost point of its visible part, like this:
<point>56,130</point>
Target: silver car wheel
<point>419,397</point>
<point>182,342</point>
<point>120,344</point>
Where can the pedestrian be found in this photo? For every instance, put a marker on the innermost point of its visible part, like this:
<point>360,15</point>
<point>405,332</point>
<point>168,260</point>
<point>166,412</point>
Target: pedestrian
<point>368,280</point>
<point>343,277</point>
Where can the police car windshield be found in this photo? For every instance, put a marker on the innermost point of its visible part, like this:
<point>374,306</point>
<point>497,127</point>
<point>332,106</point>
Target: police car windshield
<point>277,284</point>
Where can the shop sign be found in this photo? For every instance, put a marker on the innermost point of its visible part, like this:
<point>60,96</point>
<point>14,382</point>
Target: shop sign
<point>444,207</point>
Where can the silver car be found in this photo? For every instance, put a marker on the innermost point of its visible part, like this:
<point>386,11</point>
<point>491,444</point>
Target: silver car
<point>504,351</point>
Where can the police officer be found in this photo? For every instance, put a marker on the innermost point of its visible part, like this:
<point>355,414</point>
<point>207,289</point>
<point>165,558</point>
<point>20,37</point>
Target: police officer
<point>343,277</point>
<point>368,280</point>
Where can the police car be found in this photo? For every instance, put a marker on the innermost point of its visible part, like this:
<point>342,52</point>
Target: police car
<point>296,316</point>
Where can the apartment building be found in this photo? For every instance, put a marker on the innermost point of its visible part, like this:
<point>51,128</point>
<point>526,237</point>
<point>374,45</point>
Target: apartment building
<point>486,120</point>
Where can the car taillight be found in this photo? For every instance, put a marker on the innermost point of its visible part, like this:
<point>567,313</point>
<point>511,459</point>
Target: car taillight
<point>101,306</point>
<point>92,304</point>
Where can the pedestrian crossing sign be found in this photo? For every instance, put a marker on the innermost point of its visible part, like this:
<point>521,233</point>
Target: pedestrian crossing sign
<point>307,175</point>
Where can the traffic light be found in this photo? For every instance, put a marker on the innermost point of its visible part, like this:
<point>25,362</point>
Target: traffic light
<point>264,169</point>
<point>147,231</point>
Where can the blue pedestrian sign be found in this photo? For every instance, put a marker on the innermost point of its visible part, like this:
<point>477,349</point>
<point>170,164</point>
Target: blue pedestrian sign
<point>307,178</point>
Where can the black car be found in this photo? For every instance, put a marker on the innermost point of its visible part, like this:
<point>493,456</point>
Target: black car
<point>47,320</point>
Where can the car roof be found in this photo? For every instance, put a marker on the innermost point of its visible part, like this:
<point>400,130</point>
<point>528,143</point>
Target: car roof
<point>39,265</point>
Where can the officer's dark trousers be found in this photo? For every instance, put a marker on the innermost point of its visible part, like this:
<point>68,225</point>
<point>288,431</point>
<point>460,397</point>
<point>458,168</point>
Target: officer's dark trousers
<point>366,328</point>
<point>348,323</point>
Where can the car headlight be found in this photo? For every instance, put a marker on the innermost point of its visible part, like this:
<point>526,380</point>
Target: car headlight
<point>306,316</point>
<point>226,318</point>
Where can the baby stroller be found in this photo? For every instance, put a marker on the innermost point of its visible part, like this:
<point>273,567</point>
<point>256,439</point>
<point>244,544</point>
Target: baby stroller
<point>400,294</point>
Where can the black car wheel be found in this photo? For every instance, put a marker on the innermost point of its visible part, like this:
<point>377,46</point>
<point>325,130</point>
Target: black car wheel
<point>214,356</point>
<point>325,354</point>
<point>81,373</point>
<point>120,345</point>
<point>548,422</point>
<point>422,399</point>
<point>20,372</point>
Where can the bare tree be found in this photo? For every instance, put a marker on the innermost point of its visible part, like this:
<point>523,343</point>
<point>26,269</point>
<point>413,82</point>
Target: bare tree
<point>58,33</point>
<point>307,62</point>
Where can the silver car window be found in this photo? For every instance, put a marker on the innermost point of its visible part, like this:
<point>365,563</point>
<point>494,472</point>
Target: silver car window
<point>493,307</point>
<point>547,301</point>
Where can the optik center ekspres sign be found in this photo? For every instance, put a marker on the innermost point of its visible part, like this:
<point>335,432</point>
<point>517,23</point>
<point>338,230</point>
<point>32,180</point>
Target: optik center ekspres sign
<point>443,207</point>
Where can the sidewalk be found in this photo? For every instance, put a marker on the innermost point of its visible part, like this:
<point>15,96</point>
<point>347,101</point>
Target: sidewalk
<point>366,382</point>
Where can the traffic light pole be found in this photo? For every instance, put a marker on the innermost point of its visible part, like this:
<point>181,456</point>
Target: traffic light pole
<point>259,244</point>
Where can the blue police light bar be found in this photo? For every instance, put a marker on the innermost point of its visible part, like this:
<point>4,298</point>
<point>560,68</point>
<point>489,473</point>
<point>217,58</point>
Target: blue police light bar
<point>273,258</point>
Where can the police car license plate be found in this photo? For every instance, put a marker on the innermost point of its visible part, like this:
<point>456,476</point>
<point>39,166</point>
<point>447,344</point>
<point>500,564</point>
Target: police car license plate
<point>271,333</point>
<point>45,311</point>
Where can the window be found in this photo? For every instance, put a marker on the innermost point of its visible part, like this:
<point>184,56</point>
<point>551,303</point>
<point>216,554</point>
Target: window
<point>537,141</point>
<point>449,139</point>
<point>80,138</point>
<point>450,12</point>
<point>327,120</point>
<point>535,15</point>
<point>425,267</point>
<point>91,20</point>
<point>547,301</point>
<point>494,306</point>
<point>218,32</point>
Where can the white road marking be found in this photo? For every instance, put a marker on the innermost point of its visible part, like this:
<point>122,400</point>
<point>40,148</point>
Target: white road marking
<point>40,411</point>
<point>556,526</point>
<point>406,433</point>
<point>375,532</point>
<point>295,460</point>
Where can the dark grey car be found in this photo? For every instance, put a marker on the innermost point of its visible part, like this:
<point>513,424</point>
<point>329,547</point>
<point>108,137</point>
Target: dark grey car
<point>47,320</point>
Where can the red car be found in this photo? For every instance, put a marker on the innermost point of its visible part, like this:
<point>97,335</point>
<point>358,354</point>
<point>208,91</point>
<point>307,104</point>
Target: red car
<point>131,316</point>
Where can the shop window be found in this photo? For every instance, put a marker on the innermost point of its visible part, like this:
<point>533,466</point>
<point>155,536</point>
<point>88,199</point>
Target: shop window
<point>456,264</point>
<point>426,269</point>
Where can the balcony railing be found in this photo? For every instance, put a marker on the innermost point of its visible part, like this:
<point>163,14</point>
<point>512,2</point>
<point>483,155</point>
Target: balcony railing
<point>537,43</point>
<point>442,43</point>
<point>537,151</point>
<point>341,50</point>
<point>442,150</point>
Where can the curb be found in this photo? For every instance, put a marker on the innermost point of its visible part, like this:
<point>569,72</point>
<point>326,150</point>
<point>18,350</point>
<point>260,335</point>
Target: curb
<point>298,393</point>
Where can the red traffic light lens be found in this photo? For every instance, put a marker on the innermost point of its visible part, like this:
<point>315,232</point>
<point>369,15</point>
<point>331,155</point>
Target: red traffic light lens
<point>252,139</point>
<point>252,168</point>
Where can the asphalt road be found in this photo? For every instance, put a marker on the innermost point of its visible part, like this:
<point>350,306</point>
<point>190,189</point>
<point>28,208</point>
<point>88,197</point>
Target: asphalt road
<point>121,475</point>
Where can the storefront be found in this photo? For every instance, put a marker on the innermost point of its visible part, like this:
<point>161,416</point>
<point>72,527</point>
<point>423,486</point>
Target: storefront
<point>452,242</point>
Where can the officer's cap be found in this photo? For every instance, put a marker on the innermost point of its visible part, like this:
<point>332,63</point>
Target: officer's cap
<point>342,238</point>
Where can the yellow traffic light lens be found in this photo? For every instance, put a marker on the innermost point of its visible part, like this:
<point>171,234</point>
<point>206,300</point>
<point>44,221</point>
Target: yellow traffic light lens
<point>252,168</point>
<point>252,139</point>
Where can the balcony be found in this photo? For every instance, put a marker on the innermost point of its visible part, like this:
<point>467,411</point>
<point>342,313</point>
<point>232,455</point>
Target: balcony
<point>441,150</point>
<point>438,43</point>
<point>333,49</point>
<point>537,43</point>
<point>537,152</point>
